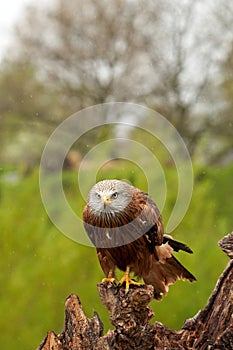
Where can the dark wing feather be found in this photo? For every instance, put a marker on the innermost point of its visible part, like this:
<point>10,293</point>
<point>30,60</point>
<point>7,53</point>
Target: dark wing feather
<point>152,218</point>
<point>149,238</point>
<point>176,245</point>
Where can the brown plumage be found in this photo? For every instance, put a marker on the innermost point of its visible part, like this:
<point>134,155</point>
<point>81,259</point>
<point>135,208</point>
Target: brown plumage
<point>126,228</point>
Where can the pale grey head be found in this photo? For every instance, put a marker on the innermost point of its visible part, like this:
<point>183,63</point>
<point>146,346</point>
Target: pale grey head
<point>110,197</point>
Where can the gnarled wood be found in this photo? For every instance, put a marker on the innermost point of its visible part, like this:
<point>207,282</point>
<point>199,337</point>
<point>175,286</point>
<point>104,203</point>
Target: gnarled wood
<point>211,328</point>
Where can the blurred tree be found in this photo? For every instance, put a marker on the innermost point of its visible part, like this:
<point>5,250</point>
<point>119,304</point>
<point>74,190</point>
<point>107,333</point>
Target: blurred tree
<point>165,54</point>
<point>217,98</point>
<point>27,108</point>
<point>91,51</point>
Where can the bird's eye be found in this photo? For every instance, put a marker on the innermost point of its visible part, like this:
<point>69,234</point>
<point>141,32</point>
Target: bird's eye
<point>98,195</point>
<point>114,195</point>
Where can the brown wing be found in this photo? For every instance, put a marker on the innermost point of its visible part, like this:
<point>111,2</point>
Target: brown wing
<point>153,219</point>
<point>161,268</point>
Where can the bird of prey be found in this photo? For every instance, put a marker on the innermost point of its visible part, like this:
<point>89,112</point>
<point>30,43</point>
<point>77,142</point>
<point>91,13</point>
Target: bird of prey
<point>126,228</point>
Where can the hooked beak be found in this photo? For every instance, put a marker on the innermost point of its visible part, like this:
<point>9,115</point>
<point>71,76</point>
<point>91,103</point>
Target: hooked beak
<point>106,201</point>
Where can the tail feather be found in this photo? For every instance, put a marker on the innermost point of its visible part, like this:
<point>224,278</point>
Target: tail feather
<point>162,274</point>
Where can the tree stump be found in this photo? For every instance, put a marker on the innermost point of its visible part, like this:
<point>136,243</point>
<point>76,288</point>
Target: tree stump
<point>211,328</point>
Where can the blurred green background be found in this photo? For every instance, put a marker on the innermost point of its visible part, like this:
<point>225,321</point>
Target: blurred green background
<point>175,57</point>
<point>40,267</point>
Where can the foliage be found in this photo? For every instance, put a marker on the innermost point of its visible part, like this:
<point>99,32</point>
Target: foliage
<point>40,267</point>
<point>173,56</point>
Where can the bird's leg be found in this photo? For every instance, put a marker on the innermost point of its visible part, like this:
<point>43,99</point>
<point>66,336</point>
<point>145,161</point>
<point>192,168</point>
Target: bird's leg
<point>126,278</point>
<point>110,277</point>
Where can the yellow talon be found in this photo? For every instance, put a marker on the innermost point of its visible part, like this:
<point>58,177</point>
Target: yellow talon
<point>126,278</point>
<point>110,278</point>
<point>106,280</point>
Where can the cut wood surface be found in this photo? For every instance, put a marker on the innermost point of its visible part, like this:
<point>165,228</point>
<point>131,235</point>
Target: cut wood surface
<point>210,328</point>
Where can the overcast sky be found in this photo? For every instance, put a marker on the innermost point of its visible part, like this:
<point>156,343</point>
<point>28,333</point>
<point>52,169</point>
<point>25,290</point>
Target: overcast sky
<point>10,13</point>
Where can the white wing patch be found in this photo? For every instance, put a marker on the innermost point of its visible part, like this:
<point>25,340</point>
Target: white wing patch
<point>108,236</point>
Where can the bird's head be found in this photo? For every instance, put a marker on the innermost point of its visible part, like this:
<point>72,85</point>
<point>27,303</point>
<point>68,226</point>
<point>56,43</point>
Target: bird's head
<point>109,197</point>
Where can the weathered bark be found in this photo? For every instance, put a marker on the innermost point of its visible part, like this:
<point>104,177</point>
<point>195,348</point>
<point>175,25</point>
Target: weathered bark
<point>211,328</point>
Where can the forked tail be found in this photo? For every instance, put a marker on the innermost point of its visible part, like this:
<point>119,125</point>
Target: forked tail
<point>166,269</point>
